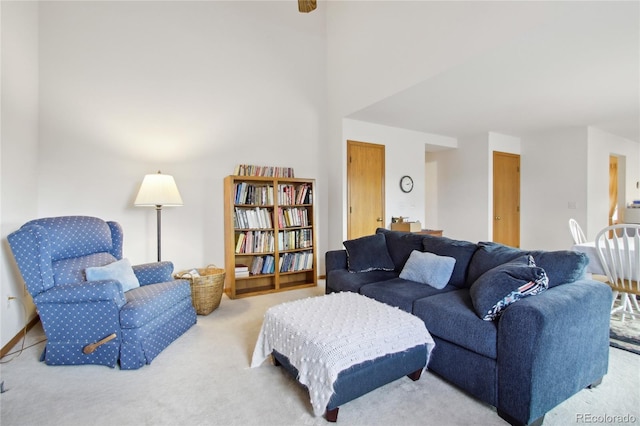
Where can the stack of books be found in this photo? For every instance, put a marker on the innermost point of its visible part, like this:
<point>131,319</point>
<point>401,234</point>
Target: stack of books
<point>242,271</point>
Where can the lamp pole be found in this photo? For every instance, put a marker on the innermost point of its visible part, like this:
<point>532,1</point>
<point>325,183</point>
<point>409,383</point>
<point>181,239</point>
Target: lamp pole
<point>159,222</point>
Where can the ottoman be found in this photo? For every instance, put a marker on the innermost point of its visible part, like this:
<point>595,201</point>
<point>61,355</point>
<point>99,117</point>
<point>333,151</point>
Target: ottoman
<point>343,345</point>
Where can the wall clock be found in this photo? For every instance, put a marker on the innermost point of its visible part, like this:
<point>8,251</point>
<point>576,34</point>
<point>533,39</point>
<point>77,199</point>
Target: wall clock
<point>406,183</point>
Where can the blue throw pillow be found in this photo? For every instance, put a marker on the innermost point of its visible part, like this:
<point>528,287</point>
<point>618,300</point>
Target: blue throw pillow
<point>488,256</point>
<point>120,271</point>
<point>400,245</point>
<point>428,268</point>
<point>368,253</point>
<point>505,284</point>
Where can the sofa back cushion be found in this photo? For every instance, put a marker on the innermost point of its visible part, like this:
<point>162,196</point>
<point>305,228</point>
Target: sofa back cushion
<point>368,253</point>
<point>561,266</point>
<point>461,251</point>
<point>75,236</point>
<point>72,270</point>
<point>400,245</point>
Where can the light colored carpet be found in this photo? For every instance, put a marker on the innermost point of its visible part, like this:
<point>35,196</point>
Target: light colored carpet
<point>204,379</point>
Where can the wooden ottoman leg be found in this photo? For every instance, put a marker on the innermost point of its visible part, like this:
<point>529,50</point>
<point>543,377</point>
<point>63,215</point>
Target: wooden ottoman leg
<point>415,375</point>
<point>332,415</point>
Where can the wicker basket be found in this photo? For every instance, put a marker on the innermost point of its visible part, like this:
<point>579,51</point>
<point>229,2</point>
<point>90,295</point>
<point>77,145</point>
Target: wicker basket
<point>206,290</point>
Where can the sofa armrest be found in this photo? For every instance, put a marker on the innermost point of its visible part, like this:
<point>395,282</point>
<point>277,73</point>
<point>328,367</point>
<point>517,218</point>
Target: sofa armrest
<point>153,273</point>
<point>550,346</point>
<point>85,292</point>
<point>335,259</point>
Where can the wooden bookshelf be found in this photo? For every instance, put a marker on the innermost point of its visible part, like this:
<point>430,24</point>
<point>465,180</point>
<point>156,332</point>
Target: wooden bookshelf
<point>269,225</point>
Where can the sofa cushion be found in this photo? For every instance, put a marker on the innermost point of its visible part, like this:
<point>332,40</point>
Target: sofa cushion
<point>343,280</point>
<point>428,268</point>
<point>120,271</point>
<point>400,293</point>
<point>450,316</point>
<point>368,253</point>
<point>506,284</point>
<point>400,245</point>
<point>461,251</point>
<point>561,266</point>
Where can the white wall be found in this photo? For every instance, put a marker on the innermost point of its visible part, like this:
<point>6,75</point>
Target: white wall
<point>463,189</point>
<point>129,88</point>
<point>553,188</point>
<point>189,88</point>
<point>18,152</point>
<point>565,174</point>
<point>600,145</point>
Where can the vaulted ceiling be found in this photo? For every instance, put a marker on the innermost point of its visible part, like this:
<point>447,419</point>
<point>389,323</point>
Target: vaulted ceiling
<point>567,73</point>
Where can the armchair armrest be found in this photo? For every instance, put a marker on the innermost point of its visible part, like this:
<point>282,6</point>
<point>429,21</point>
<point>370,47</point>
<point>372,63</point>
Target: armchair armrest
<point>550,346</point>
<point>152,273</point>
<point>85,292</point>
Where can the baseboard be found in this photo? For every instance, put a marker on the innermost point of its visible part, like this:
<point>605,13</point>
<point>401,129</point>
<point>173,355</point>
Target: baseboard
<point>6,348</point>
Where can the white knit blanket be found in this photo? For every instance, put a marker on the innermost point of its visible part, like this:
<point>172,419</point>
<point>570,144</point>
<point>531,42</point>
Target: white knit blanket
<point>321,336</point>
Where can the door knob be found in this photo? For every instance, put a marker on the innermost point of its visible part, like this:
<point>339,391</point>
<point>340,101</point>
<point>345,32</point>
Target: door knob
<point>497,217</point>
<point>379,219</point>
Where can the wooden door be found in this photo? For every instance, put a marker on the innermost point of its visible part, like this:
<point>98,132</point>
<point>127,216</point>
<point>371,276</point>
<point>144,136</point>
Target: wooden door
<point>506,198</point>
<point>365,188</point>
<point>614,215</point>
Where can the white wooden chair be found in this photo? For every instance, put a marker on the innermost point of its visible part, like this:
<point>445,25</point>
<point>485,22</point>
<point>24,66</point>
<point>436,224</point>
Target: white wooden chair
<point>620,258</point>
<point>576,232</point>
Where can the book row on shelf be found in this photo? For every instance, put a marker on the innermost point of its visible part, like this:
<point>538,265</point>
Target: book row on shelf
<point>269,171</point>
<point>262,194</point>
<point>298,261</point>
<point>248,193</point>
<point>289,194</point>
<point>297,239</point>
<point>292,216</point>
<point>257,218</point>
<point>255,242</point>
<point>262,265</point>
<point>263,241</point>
<point>289,262</point>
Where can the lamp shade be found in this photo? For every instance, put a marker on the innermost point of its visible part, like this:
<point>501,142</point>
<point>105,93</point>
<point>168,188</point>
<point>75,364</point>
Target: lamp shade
<point>158,190</point>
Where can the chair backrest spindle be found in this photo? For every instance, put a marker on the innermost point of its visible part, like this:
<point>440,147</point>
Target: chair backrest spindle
<point>576,232</point>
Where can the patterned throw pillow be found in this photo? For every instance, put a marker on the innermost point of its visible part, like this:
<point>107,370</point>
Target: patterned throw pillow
<point>506,284</point>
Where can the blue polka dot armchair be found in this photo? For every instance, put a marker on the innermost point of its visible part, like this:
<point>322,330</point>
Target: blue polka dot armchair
<point>96,322</point>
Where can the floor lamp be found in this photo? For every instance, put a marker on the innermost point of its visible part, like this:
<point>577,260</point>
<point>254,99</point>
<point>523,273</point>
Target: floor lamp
<point>158,190</point>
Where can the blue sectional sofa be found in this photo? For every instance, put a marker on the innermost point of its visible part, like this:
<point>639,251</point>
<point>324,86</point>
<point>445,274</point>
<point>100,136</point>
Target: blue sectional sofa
<point>532,355</point>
